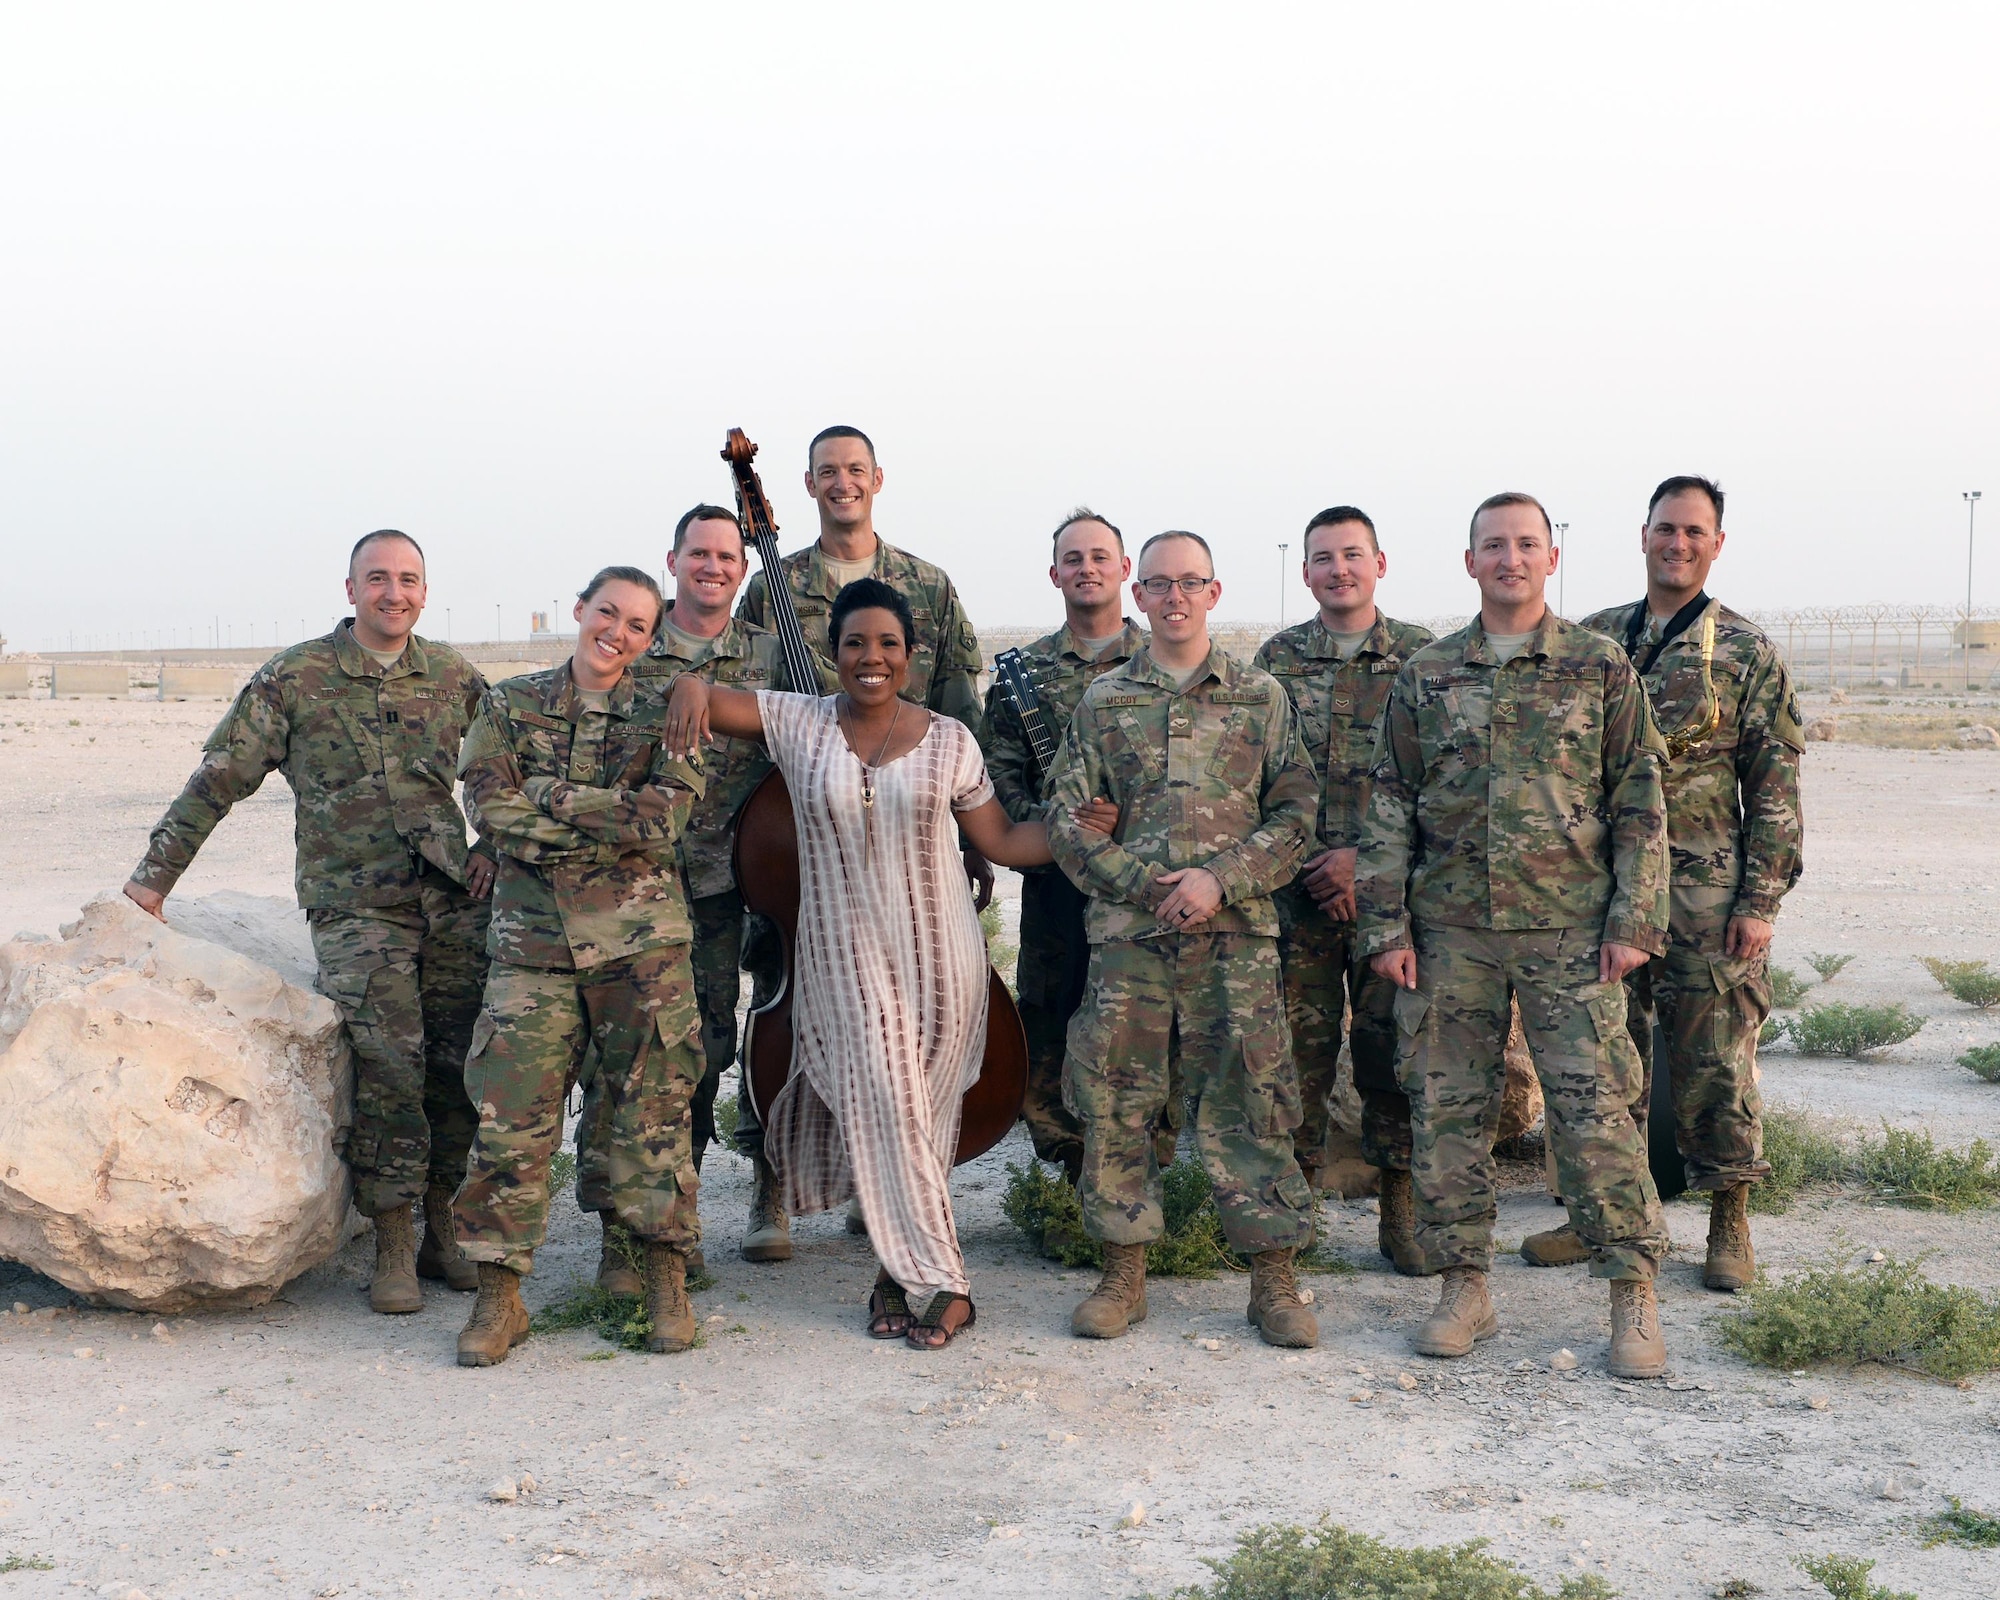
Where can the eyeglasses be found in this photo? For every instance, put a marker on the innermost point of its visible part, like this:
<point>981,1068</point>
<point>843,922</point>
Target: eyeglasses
<point>1160,586</point>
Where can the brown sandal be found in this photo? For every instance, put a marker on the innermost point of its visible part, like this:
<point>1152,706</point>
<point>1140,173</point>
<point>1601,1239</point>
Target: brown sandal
<point>888,1310</point>
<point>931,1331</point>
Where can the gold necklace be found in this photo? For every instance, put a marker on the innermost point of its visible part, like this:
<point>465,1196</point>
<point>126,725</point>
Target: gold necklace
<point>868,769</point>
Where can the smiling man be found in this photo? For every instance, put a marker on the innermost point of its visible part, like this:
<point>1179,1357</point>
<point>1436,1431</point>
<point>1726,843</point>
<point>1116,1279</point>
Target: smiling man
<point>1202,757</point>
<point>365,724</point>
<point>1516,846</point>
<point>1337,667</point>
<point>1736,834</point>
<point>1089,568</point>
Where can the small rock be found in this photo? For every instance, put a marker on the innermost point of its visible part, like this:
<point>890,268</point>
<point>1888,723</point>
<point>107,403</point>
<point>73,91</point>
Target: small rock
<point>1979,736</point>
<point>1563,1361</point>
<point>1891,1489</point>
<point>1211,1344</point>
<point>1134,1517</point>
<point>1821,730</point>
<point>83,1353</point>
<point>1818,1402</point>
<point>1362,1396</point>
<point>20,1308</point>
<point>505,1490</point>
<point>1406,1383</point>
<point>1520,1497</point>
<point>528,1484</point>
<point>920,1408</point>
<point>1876,1256</point>
<point>1305,1297</point>
<point>160,1331</point>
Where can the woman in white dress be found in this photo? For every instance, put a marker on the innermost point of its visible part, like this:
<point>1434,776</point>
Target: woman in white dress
<point>890,969</point>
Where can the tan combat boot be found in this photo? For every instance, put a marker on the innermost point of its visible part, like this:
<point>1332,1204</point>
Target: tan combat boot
<point>393,1290</point>
<point>1732,1263</point>
<point>1464,1316</point>
<point>616,1258</point>
<point>1638,1348</point>
<point>667,1303</point>
<point>1119,1300</point>
<point>1276,1310</point>
<point>499,1321</point>
<point>1397,1235</point>
<point>439,1256</point>
<point>770,1234</point>
<point>1555,1247</point>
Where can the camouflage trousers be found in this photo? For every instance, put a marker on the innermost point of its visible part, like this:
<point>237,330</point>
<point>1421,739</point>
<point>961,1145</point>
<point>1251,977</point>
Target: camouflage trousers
<point>1325,976</point>
<point>1215,998</point>
<point>406,980</point>
<point>639,1014</point>
<point>1453,1030</point>
<point>1048,987</point>
<point>723,946</point>
<point>1711,1008</point>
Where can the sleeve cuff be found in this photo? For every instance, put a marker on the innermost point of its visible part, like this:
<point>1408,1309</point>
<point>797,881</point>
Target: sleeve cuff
<point>156,875</point>
<point>1375,941</point>
<point>1639,935</point>
<point>1764,908</point>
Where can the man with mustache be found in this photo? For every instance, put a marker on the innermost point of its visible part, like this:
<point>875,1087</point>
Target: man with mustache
<point>1337,667</point>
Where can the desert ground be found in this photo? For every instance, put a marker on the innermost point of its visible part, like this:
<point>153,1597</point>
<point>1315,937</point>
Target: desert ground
<point>309,1448</point>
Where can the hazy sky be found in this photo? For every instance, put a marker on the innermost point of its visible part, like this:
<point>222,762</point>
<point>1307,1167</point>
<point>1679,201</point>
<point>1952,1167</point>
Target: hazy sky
<point>503,276</point>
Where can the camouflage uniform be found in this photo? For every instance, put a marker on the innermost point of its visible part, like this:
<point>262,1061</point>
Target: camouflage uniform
<point>589,941</point>
<point>1735,832</point>
<point>370,753</point>
<point>1340,705</point>
<point>741,657</point>
<point>1517,823</point>
<point>1210,776</point>
<point>944,659</point>
<point>1055,951</point>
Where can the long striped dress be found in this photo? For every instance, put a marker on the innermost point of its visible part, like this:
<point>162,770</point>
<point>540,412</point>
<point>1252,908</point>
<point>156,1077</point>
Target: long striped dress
<point>889,1010</point>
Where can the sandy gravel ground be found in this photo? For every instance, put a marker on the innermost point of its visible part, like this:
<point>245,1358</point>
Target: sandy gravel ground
<point>312,1449</point>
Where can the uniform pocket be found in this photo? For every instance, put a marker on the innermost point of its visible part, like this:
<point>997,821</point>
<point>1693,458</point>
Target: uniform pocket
<point>1271,1103</point>
<point>1744,988</point>
<point>1411,1007</point>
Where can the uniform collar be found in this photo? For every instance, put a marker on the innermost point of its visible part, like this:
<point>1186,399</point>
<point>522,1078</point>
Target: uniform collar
<point>1549,633</point>
<point>1131,640</point>
<point>358,663</point>
<point>1322,646</point>
<point>820,582</point>
<point>1144,669</point>
<point>563,698</point>
<point>724,646</point>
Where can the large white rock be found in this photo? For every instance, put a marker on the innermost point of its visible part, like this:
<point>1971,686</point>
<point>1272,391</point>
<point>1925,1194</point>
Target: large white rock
<point>172,1098</point>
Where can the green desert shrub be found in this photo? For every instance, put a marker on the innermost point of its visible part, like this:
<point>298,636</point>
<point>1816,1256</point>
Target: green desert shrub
<point>1001,952</point>
<point>1909,1168</point>
<point>1787,987</point>
<point>1326,1562</point>
<point>1971,981</point>
<point>1846,1578</point>
<point>1827,966</point>
<point>1844,1030</point>
<point>1984,1059</point>
<point>1804,1153</point>
<point>562,1171</point>
<point>1889,1313</point>
<point>1958,1523</point>
<point>1044,1208</point>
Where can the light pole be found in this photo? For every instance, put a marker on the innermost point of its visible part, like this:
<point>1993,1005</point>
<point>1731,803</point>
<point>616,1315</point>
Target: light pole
<point>1562,568</point>
<point>1971,498</point>
<point>447,624</point>
<point>496,623</point>
<point>1282,548</point>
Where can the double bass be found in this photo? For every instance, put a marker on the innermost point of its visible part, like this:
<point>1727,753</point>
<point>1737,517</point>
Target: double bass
<point>767,876</point>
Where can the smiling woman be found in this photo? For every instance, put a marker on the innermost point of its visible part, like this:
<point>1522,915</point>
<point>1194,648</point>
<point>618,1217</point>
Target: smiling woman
<point>890,1016</point>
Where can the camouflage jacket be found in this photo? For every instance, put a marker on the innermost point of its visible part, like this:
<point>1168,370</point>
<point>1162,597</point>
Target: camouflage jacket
<point>1516,797</point>
<point>742,657</point>
<point>370,753</point>
<point>586,809</point>
<point>1211,776</point>
<point>944,660</point>
<point>1735,821</point>
<point>1061,673</point>
<point>1340,705</point>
